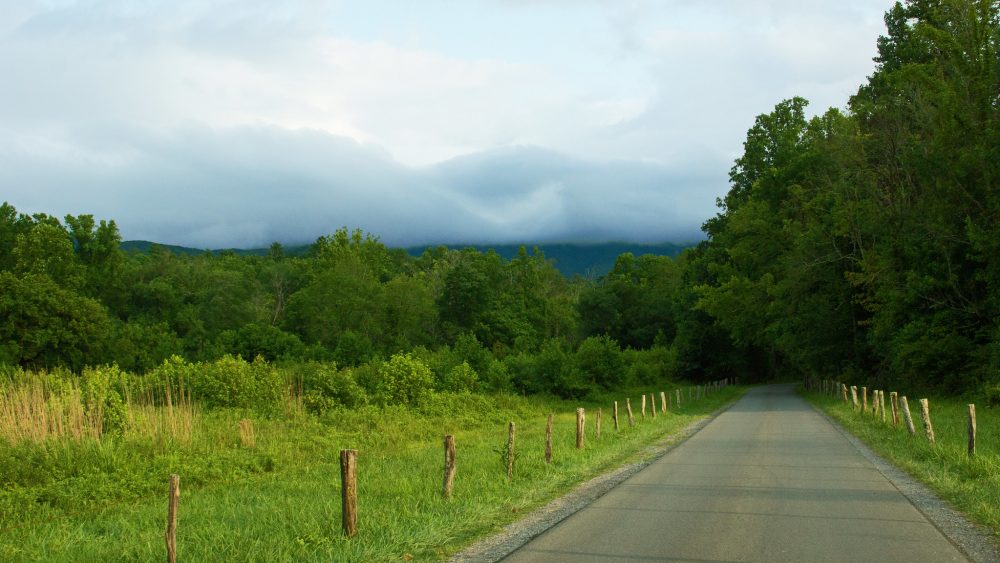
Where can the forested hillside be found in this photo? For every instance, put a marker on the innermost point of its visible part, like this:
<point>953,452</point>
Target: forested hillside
<point>862,241</point>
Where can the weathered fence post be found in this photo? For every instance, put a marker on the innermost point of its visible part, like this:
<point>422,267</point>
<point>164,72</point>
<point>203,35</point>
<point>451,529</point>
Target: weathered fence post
<point>628,409</point>
<point>854,397</point>
<point>597,425</point>
<point>510,451</point>
<point>881,401</point>
<point>449,465</point>
<point>548,440</point>
<point>663,401</point>
<point>614,416</point>
<point>894,403</point>
<point>579,428</point>
<point>170,536</point>
<point>972,430</point>
<point>925,414</point>
<point>349,491</point>
<point>643,411</point>
<point>844,389</point>
<point>652,404</point>
<point>864,399</point>
<point>905,407</point>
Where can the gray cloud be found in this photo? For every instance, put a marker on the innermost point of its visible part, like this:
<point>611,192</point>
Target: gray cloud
<point>249,186</point>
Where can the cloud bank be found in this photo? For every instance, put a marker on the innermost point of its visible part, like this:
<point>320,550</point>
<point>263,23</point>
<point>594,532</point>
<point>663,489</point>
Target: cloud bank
<point>236,123</point>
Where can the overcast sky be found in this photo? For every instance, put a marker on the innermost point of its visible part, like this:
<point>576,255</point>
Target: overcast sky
<point>236,123</point>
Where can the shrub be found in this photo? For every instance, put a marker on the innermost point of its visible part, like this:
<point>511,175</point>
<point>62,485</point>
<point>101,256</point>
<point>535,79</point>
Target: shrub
<point>404,380</point>
<point>102,389</point>
<point>229,381</point>
<point>599,359</point>
<point>324,387</point>
<point>461,378</point>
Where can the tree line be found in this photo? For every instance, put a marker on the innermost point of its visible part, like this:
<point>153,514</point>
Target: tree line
<point>861,243</point>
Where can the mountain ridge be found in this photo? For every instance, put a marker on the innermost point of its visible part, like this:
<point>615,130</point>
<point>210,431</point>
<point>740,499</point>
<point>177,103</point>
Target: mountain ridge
<point>586,259</point>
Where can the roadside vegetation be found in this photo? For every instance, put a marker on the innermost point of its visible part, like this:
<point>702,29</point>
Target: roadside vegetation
<point>85,476</point>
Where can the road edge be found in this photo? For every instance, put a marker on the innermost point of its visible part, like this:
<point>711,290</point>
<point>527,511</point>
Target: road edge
<point>974,541</point>
<point>516,534</point>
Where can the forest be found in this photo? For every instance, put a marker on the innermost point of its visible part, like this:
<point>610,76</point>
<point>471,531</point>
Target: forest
<point>860,243</point>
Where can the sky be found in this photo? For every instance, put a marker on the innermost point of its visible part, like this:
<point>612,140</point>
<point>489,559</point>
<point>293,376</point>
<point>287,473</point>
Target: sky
<point>236,123</point>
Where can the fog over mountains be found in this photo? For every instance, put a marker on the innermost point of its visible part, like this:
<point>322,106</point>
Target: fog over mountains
<point>249,186</point>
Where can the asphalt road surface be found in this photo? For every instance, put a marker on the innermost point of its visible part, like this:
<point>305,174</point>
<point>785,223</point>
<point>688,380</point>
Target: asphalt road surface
<point>768,480</point>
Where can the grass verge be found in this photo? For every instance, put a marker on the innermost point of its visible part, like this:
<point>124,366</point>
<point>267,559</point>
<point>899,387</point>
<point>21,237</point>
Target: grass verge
<point>279,498</point>
<point>970,485</point>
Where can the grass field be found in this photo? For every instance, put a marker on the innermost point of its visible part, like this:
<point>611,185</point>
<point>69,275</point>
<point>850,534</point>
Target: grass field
<point>276,496</point>
<point>972,486</point>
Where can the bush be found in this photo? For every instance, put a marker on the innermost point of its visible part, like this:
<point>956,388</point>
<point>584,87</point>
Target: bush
<point>461,378</point>
<point>325,387</point>
<point>229,381</point>
<point>551,370</point>
<point>102,389</point>
<point>269,342</point>
<point>497,377</point>
<point>599,359</point>
<point>404,380</point>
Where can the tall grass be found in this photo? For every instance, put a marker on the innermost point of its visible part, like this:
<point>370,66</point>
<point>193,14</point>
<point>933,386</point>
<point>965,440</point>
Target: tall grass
<point>169,417</point>
<point>971,485</point>
<point>35,410</point>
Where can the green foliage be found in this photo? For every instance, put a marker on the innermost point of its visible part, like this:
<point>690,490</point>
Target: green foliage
<point>404,380</point>
<point>599,361</point>
<point>46,325</point>
<point>325,387</point>
<point>229,381</point>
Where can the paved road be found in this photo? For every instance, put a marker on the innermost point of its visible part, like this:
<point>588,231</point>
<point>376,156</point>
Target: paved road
<point>768,480</point>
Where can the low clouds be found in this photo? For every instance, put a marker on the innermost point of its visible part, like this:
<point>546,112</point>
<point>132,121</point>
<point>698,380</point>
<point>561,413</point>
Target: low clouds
<point>236,123</point>
<point>252,185</point>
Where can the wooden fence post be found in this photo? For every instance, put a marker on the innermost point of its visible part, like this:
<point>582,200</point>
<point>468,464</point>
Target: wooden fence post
<point>663,401</point>
<point>597,425</point>
<point>972,430</point>
<point>548,440</point>
<point>628,409</point>
<point>579,428</point>
<point>449,465</point>
<point>894,403</point>
<point>349,491</point>
<point>643,411</point>
<point>614,416</point>
<point>510,451</point>
<point>881,404</point>
<point>854,397</point>
<point>844,389</point>
<point>864,399</point>
<point>925,414</point>
<point>170,536</point>
<point>905,407</point>
<point>652,404</point>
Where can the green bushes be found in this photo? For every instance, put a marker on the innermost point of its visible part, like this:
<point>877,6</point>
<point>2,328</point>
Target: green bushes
<point>325,387</point>
<point>229,381</point>
<point>404,380</point>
